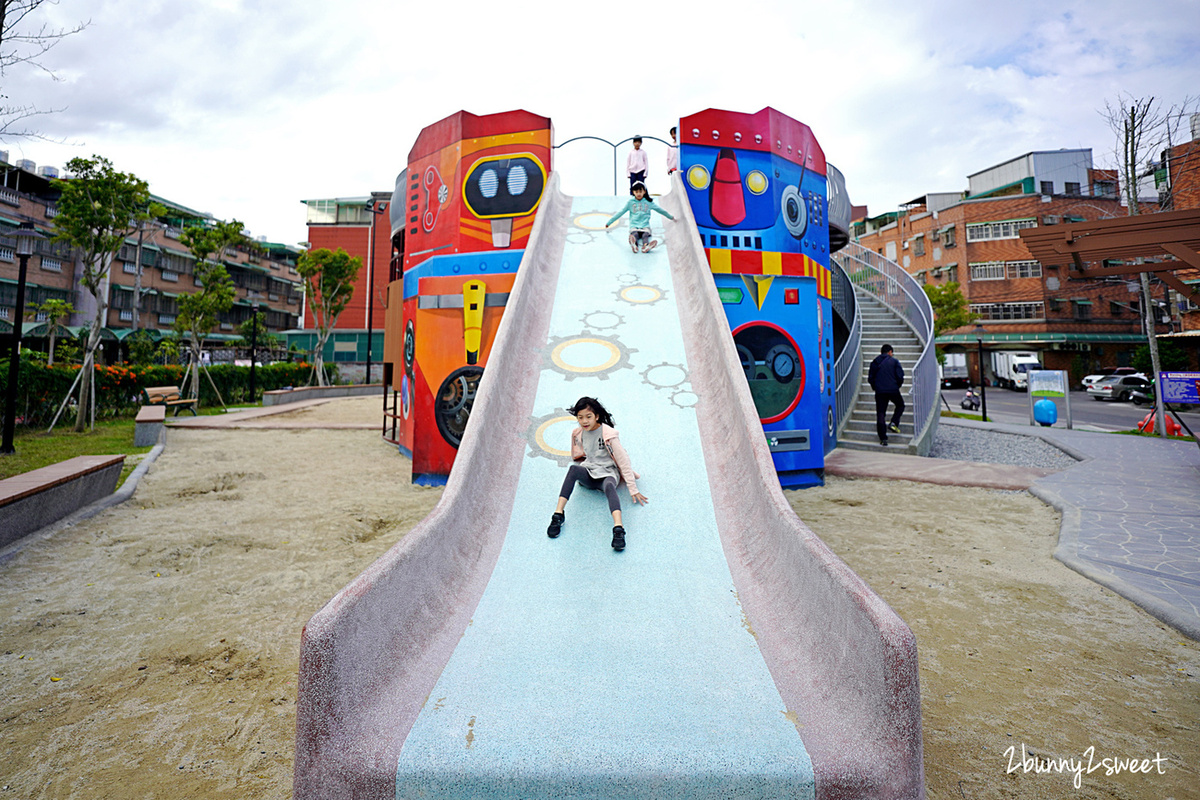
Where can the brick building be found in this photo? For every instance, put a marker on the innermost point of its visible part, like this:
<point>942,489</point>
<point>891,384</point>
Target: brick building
<point>972,238</point>
<point>263,273</point>
<point>1177,179</point>
<point>350,223</point>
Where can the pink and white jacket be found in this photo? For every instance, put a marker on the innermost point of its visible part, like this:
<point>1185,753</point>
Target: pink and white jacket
<point>612,441</point>
<point>638,161</point>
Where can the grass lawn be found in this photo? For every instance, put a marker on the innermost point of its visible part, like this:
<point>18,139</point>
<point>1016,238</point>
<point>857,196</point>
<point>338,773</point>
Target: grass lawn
<point>36,448</point>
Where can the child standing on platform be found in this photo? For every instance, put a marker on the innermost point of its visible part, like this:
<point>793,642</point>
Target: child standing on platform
<point>637,164</point>
<point>601,463</point>
<point>673,154</point>
<point>639,208</point>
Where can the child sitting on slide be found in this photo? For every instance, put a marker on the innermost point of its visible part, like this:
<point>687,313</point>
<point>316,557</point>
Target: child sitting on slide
<point>639,208</point>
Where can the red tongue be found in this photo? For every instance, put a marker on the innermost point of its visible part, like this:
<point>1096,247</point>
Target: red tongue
<point>725,200</point>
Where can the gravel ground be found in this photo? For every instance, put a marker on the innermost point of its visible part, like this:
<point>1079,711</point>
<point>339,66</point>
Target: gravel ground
<point>959,443</point>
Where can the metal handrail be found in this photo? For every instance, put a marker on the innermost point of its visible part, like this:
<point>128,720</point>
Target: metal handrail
<point>888,282</point>
<point>614,146</point>
<point>848,363</point>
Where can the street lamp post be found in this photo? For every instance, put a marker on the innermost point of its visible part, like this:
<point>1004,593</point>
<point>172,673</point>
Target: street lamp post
<point>253,346</point>
<point>370,206</point>
<point>979,332</point>
<point>25,237</point>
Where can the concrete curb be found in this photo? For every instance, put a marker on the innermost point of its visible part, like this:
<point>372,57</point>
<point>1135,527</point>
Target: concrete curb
<point>847,463</point>
<point>277,397</point>
<point>1068,545</point>
<point>116,498</point>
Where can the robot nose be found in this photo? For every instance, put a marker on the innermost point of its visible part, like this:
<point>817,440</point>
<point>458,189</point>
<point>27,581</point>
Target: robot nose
<point>726,203</point>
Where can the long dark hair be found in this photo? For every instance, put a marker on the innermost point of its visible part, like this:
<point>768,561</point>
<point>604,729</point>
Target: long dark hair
<point>645,192</point>
<point>592,403</point>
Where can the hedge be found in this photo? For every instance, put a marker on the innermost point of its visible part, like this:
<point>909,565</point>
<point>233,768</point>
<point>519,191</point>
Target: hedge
<point>41,388</point>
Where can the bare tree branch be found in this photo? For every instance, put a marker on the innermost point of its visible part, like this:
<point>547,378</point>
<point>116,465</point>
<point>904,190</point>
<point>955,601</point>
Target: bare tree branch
<point>23,43</point>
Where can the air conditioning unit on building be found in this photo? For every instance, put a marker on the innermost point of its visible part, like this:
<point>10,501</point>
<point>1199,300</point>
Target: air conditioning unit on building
<point>1051,219</point>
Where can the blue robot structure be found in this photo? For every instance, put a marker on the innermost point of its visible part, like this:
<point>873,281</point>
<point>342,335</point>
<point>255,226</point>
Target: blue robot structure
<point>758,187</point>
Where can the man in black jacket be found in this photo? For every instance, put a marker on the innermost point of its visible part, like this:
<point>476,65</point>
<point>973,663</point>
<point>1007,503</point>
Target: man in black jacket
<point>886,376</point>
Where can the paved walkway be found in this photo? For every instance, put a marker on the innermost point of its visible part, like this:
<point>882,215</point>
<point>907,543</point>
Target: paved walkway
<point>263,418</point>
<point>1130,508</point>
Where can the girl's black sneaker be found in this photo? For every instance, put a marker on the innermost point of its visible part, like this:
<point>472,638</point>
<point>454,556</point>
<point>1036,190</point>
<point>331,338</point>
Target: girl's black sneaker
<point>556,521</point>
<point>618,542</point>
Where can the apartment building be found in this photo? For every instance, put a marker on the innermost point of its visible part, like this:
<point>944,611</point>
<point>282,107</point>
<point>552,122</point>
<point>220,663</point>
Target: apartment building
<point>972,238</point>
<point>359,225</point>
<point>263,273</point>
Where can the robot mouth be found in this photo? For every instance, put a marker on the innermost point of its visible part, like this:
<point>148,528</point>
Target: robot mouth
<point>502,232</point>
<point>726,203</point>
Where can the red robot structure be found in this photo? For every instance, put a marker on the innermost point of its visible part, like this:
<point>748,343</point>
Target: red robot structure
<point>461,215</point>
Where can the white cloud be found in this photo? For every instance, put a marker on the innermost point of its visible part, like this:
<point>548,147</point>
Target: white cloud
<point>244,107</point>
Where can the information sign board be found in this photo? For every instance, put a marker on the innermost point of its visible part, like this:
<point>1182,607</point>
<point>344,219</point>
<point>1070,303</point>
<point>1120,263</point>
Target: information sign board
<point>1180,387</point>
<point>1047,383</point>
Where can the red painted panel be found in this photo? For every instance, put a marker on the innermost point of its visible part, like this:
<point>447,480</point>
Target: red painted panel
<point>766,131</point>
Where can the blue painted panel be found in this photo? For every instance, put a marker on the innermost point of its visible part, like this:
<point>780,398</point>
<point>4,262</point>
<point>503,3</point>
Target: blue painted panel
<point>487,262</point>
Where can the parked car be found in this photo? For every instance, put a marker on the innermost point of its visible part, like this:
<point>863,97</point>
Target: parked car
<point>1109,372</point>
<point>1117,387</point>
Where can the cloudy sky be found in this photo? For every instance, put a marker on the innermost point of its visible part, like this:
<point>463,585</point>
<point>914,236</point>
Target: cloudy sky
<point>243,108</point>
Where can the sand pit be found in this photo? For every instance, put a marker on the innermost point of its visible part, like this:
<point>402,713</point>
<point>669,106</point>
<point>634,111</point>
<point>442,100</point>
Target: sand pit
<point>1015,648</point>
<point>172,624</point>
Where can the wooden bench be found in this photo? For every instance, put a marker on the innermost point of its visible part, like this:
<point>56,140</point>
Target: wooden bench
<point>34,499</point>
<point>147,428</point>
<point>169,396</point>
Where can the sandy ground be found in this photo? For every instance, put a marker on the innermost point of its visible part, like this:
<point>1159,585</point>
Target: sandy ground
<point>152,650</point>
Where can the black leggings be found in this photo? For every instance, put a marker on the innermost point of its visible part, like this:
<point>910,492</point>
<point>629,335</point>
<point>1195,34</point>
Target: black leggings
<point>578,474</point>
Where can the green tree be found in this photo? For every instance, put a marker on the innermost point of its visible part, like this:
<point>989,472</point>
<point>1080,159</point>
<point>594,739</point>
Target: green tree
<point>98,210</point>
<point>141,348</point>
<point>200,311</point>
<point>56,311</point>
<point>1170,357</point>
<point>170,350</point>
<point>950,308</point>
<point>329,284</point>
<point>255,329</point>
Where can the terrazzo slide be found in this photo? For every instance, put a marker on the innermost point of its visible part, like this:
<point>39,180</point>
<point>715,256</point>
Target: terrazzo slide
<point>725,653</point>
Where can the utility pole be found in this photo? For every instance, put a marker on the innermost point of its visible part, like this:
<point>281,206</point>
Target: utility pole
<point>1133,133</point>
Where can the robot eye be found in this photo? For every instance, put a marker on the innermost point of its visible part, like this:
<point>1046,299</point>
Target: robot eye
<point>489,183</point>
<point>504,186</point>
<point>756,182</point>
<point>795,214</point>
<point>697,177</point>
<point>518,180</point>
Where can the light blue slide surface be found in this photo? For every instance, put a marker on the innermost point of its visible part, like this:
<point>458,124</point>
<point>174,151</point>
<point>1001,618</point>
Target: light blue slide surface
<point>591,673</point>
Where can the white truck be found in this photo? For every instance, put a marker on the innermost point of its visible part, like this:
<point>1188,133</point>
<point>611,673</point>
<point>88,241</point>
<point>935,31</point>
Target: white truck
<point>954,370</point>
<point>1011,368</point>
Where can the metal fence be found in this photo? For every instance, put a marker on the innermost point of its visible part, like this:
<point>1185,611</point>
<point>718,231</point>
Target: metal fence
<point>847,369</point>
<point>887,281</point>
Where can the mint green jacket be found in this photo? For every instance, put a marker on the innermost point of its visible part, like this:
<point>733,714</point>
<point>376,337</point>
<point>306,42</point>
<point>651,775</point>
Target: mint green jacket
<point>639,213</point>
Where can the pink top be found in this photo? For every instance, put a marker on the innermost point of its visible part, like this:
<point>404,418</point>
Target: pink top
<point>638,162</point>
